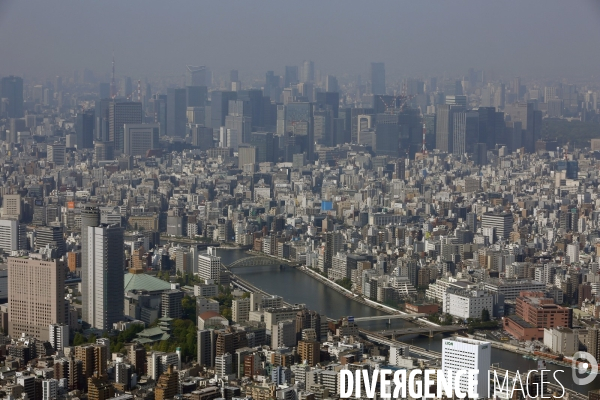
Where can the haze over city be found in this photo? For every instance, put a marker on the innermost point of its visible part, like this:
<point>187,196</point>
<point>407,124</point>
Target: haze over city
<point>543,38</point>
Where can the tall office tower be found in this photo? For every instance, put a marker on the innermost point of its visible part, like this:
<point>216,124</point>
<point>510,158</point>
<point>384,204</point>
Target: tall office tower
<point>36,296</point>
<point>291,76</point>
<point>196,96</point>
<point>480,154</point>
<point>104,90</point>
<point>56,153</point>
<point>429,120</point>
<point>500,96</point>
<point>139,138</point>
<point>253,99</point>
<point>84,129</point>
<point>331,99</point>
<point>265,146</point>
<point>550,93</point>
<point>202,137</point>
<point>196,75</point>
<point>105,264</point>
<point>333,243</point>
<point>377,75</point>
<point>323,125</point>
<point>238,123</point>
<point>465,132</point>
<point>219,107</point>
<point>359,122</point>
<point>16,125</point>
<point>206,347</point>
<point>387,135</point>
<point>158,110</point>
<point>11,88</point>
<point>90,217</point>
<point>12,235</point>
<point>463,354</point>
<point>119,114</point>
<point>11,206</point>
<point>59,336</point>
<point>299,121</point>
<point>516,87</point>
<point>307,73</point>
<point>126,87</point>
<point>247,155</point>
<point>331,84</point>
<point>501,222</point>
<point>531,121</point>
<point>453,87</point>
<point>52,237</point>
<point>487,127</point>
<point>101,120</point>
<point>444,125</point>
<point>209,267</point>
<point>176,107</point>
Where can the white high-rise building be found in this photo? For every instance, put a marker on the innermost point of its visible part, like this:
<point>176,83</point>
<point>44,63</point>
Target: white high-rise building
<point>105,283</point>
<point>209,267</point>
<point>12,235</point>
<point>49,389</point>
<point>573,252</point>
<point>463,354</point>
<point>59,336</point>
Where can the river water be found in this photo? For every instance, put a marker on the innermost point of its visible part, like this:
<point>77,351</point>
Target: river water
<point>297,287</point>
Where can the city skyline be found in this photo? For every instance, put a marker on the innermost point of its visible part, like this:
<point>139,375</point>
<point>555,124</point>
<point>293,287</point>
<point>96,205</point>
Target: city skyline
<point>520,39</point>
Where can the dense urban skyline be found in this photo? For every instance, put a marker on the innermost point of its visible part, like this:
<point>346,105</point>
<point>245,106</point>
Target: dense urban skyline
<point>545,39</point>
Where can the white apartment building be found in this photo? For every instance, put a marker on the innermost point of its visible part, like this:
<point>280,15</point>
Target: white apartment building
<point>461,353</point>
<point>465,304</point>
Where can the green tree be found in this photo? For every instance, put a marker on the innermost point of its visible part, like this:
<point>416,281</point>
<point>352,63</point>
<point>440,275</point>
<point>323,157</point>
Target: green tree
<point>79,339</point>
<point>485,315</point>
<point>92,338</point>
<point>345,283</point>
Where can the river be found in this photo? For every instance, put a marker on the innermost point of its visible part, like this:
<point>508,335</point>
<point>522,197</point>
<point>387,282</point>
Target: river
<point>297,287</point>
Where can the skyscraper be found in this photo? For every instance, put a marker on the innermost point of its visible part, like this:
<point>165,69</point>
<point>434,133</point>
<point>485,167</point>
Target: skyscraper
<point>196,75</point>
<point>119,114</point>
<point>176,108</point>
<point>139,138</point>
<point>444,126</point>
<point>465,132</point>
<point>308,72</point>
<point>11,88</point>
<point>196,96</point>
<point>377,74</point>
<point>35,296</point>
<point>331,84</point>
<point>291,76</point>
<point>12,235</point>
<point>105,263</point>
<point>90,216</point>
<point>219,107</point>
<point>84,129</point>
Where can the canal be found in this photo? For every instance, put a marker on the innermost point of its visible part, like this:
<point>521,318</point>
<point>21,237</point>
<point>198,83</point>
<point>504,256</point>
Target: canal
<point>297,287</point>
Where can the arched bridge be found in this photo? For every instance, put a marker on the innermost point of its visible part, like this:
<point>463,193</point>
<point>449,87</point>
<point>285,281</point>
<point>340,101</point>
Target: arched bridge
<point>255,261</point>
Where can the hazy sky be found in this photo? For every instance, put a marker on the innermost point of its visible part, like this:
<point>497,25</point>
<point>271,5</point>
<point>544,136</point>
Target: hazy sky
<point>546,38</point>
